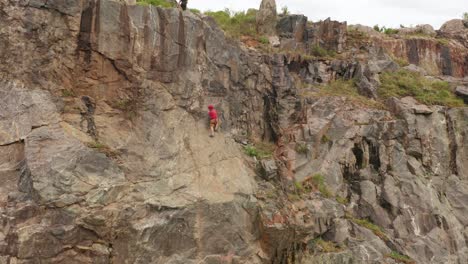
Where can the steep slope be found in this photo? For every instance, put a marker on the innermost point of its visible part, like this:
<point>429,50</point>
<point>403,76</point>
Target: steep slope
<point>105,155</point>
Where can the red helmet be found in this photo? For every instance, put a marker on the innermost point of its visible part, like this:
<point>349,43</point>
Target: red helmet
<point>210,107</point>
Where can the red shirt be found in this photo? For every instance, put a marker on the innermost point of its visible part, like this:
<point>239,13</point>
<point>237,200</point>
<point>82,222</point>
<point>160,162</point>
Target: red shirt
<point>213,114</point>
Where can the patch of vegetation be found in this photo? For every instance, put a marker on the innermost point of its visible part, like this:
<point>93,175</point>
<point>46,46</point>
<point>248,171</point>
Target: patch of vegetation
<point>390,31</point>
<point>302,148</point>
<point>377,230</point>
<point>285,11</point>
<point>325,139</point>
<point>236,24</point>
<point>103,149</point>
<point>465,16</point>
<point>319,182</point>
<point>402,62</point>
<point>263,40</point>
<point>161,3</point>
<point>443,41</point>
<point>325,246</point>
<point>406,83</point>
<point>261,150</point>
<point>320,52</point>
<point>68,93</point>
<point>342,200</point>
<point>401,258</point>
<point>195,11</point>
<point>387,31</point>
<point>299,186</point>
<point>346,89</point>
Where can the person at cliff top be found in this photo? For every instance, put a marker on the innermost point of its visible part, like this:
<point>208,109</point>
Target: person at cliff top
<point>183,4</point>
<point>213,120</point>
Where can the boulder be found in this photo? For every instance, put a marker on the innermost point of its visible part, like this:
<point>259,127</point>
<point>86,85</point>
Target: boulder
<point>455,29</point>
<point>269,169</point>
<point>424,29</point>
<point>462,91</point>
<point>366,30</point>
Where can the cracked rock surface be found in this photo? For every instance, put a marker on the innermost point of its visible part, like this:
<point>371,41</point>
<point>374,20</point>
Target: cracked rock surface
<point>105,155</point>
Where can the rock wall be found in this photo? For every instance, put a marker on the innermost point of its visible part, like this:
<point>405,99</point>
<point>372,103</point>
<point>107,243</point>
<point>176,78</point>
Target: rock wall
<point>435,56</point>
<point>105,155</point>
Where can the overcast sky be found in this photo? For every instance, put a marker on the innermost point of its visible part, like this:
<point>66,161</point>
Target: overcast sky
<point>390,13</point>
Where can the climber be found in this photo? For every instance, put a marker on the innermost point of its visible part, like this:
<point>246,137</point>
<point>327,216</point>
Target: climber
<point>213,120</point>
<point>183,4</point>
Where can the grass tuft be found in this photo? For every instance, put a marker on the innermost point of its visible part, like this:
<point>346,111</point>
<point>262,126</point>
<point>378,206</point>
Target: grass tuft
<point>320,52</point>
<point>68,93</point>
<point>260,150</point>
<point>342,200</point>
<point>325,139</point>
<point>348,89</point>
<point>301,148</point>
<point>103,149</point>
<point>161,3</point>
<point>401,258</point>
<point>406,83</point>
<point>378,231</point>
<point>325,246</point>
<point>319,182</point>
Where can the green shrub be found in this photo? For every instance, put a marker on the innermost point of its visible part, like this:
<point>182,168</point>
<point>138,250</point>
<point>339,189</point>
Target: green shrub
<point>319,182</point>
<point>320,52</point>
<point>325,139</point>
<point>401,258</point>
<point>390,31</point>
<point>161,3</point>
<point>260,150</point>
<point>263,40</point>
<point>285,11</point>
<point>301,148</point>
<point>406,83</point>
<point>377,28</point>
<point>299,186</point>
<point>236,24</point>
<point>465,16</point>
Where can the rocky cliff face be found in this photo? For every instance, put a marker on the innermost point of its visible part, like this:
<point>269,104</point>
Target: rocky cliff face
<point>105,155</point>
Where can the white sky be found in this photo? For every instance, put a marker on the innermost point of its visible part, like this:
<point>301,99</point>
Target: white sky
<point>390,13</point>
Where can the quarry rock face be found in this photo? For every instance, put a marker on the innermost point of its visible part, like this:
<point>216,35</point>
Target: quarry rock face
<point>105,155</point>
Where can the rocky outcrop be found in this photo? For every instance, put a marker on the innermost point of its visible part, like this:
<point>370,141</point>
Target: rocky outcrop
<point>436,56</point>
<point>456,29</point>
<point>299,35</point>
<point>105,155</point>
<point>425,29</point>
<point>266,18</point>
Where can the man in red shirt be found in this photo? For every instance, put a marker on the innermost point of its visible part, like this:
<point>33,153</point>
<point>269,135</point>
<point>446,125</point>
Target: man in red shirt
<point>213,120</point>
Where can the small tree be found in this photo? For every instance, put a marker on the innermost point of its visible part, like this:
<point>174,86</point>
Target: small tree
<point>285,11</point>
<point>465,16</point>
